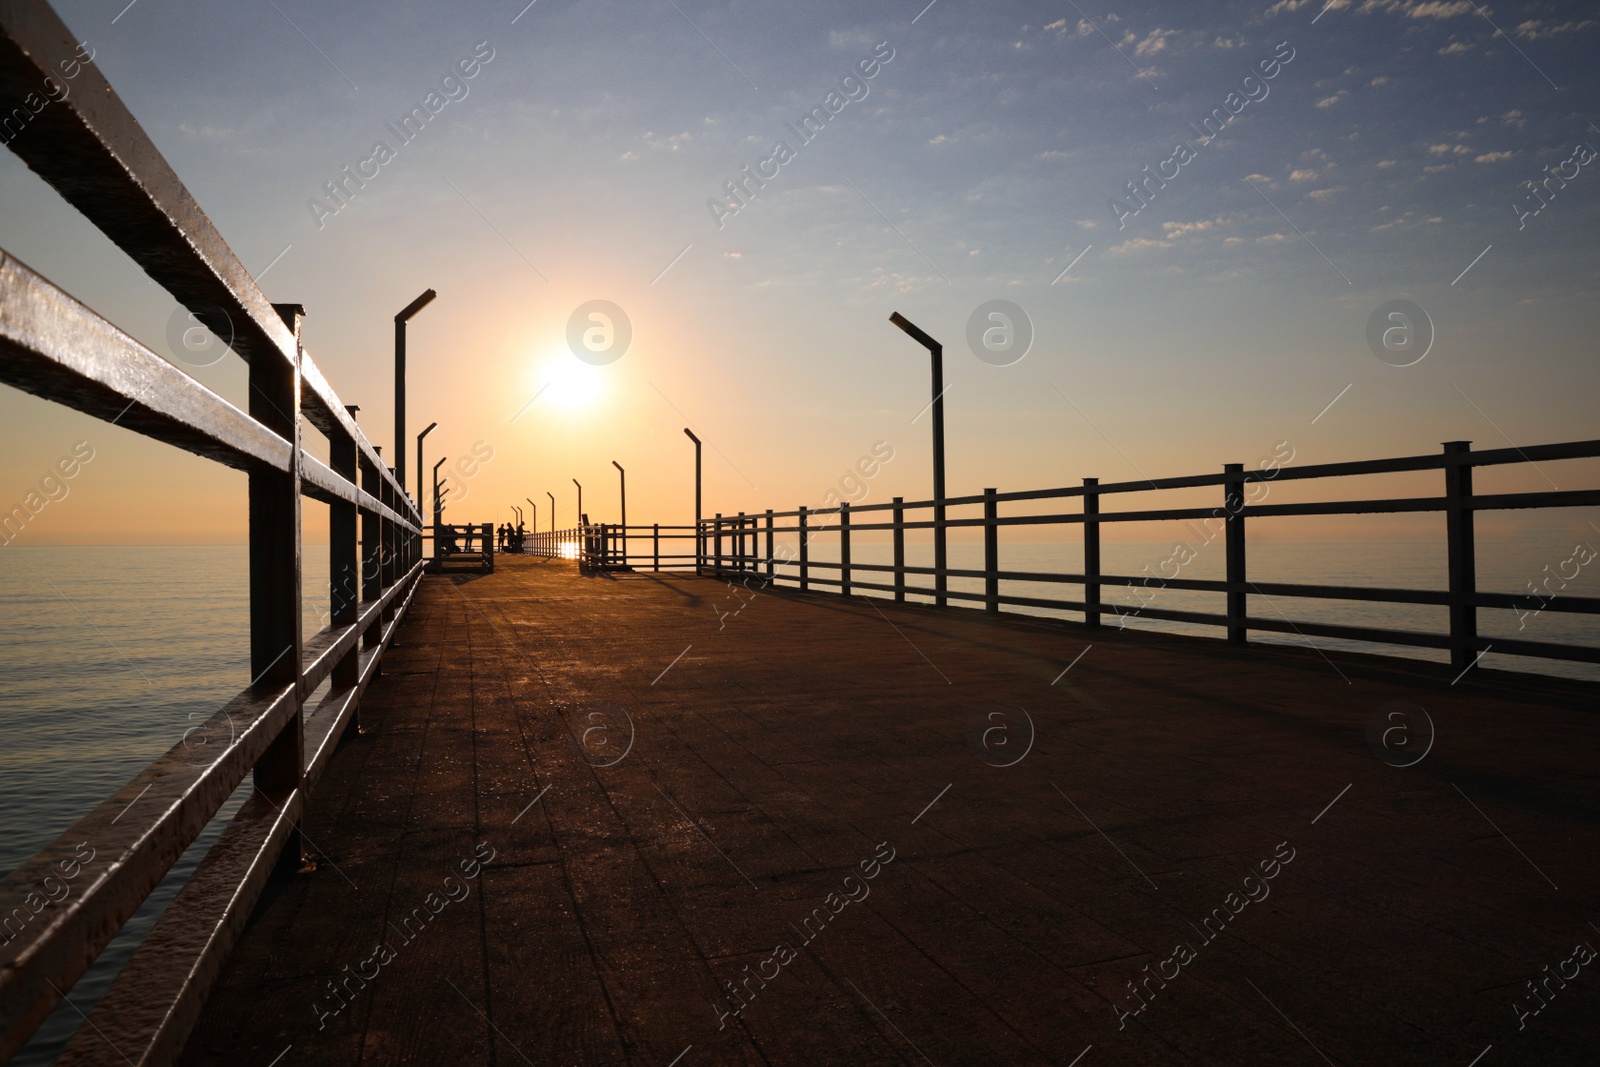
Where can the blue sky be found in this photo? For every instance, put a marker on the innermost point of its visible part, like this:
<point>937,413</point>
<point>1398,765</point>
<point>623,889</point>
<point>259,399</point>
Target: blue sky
<point>1379,163</point>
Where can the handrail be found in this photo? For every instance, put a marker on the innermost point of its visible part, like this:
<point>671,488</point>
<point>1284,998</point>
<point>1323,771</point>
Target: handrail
<point>94,153</point>
<point>97,156</point>
<point>1244,499</point>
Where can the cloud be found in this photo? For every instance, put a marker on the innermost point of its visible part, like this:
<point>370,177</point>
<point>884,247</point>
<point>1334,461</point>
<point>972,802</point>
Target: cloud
<point>1329,101</point>
<point>1454,48</point>
<point>1323,194</point>
<point>1384,164</point>
<point>1414,9</point>
<point>1434,9</point>
<point>1493,157</point>
<point>1295,5</point>
<point>1381,79</point>
<point>1534,29</point>
<point>1155,41</point>
<point>1302,175</point>
<point>671,143</point>
<point>941,139</point>
<point>1184,229</point>
<point>1137,244</point>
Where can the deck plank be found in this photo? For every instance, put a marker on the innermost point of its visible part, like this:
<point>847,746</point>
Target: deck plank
<point>630,886</point>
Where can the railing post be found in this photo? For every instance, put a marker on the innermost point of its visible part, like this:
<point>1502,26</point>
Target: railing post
<point>488,546</point>
<point>371,549</point>
<point>1461,553</point>
<point>655,547</point>
<point>1091,551</point>
<point>899,550</point>
<point>844,548</point>
<point>771,566</point>
<point>1233,547</point>
<point>805,551</point>
<point>274,509</point>
<point>717,538</point>
<point>741,561</point>
<point>344,568</point>
<point>991,553</point>
<point>391,546</point>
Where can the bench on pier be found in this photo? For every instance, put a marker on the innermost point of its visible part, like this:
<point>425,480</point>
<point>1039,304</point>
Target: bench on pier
<point>463,548</point>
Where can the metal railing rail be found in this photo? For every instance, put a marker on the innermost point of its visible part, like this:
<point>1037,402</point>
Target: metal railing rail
<point>97,157</point>
<point>617,547</point>
<point>745,557</point>
<point>554,544</point>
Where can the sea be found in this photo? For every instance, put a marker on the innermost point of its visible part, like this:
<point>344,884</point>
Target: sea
<point>109,654</point>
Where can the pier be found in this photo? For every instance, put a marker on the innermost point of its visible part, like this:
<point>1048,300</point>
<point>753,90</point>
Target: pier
<point>673,795</point>
<point>663,803</point>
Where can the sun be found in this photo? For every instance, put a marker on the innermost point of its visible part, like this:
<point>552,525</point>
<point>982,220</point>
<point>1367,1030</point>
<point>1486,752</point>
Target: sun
<point>569,383</point>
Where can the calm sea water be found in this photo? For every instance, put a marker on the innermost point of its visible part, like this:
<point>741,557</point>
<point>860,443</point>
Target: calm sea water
<point>108,654</point>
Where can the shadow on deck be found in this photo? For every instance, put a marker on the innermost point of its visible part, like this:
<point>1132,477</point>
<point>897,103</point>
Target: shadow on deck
<point>1174,788</point>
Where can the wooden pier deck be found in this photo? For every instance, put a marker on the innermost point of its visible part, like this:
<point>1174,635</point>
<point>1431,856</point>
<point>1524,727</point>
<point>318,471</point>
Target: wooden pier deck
<point>811,739</point>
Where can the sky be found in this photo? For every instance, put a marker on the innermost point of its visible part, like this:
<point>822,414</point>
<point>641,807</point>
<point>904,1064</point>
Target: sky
<point>1374,151</point>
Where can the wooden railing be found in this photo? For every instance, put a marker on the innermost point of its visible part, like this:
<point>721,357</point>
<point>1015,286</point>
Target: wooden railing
<point>98,158</point>
<point>744,546</point>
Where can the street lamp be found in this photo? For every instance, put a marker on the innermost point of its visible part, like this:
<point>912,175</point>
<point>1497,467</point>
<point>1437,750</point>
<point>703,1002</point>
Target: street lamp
<point>935,350</point>
<point>400,321</point>
<point>552,497</point>
<point>534,525</point>
<point>583,525</point>
<point>420,436</point>
<point>699,544</point>
<point>624,476</point>
<point>437,504</point>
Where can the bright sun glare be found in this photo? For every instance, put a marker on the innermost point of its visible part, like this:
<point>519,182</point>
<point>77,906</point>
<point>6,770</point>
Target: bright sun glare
<point>571,384</point>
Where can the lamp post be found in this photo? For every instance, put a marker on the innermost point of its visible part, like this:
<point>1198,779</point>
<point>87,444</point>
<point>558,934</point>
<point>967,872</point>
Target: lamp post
<point>534,525</point>
<point>552,497</point>
<point>583,524</point>
<point>420,436</point>
<point>936,351</point>
<point>437,503</point>
<point>400,321</point>
<point>624,476</point>
<point>699,541</point>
